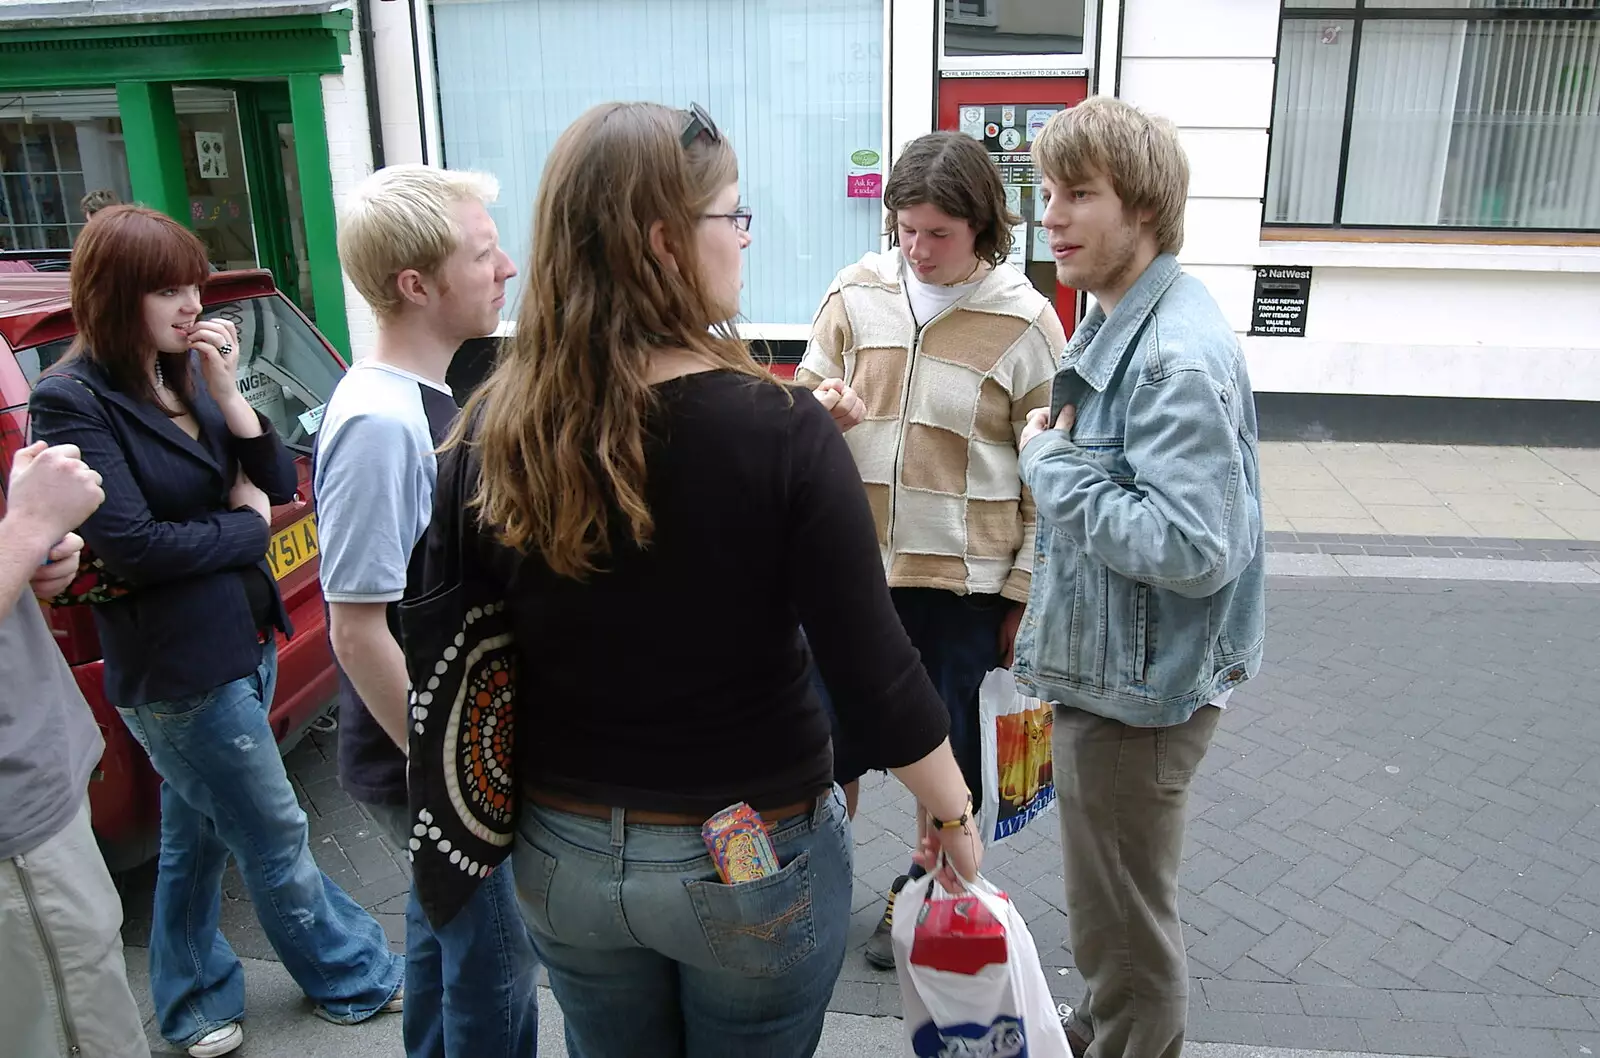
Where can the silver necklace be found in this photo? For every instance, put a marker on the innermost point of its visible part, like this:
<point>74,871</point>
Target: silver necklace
<point>161,380</point>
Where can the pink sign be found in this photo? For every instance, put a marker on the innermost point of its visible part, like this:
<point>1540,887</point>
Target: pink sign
<point>864,185</point>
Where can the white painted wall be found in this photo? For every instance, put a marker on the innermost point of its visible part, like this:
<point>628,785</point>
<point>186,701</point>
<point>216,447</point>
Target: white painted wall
<point>1420,320</point>
<point>910,105</point>
<point>397,82</point>
<point>1207,65</point>
<point>344,98</point>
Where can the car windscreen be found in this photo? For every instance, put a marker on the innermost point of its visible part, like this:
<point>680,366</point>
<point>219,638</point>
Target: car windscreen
<point>285,372</point>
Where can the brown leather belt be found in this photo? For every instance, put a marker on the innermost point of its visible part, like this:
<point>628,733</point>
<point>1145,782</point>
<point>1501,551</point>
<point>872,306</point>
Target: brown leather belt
<point>562,803</point>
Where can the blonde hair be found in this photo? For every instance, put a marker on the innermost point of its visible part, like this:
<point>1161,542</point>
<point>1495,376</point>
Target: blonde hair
<point>1138,152</point>
<point>560,425</point>
<point>400,217</point>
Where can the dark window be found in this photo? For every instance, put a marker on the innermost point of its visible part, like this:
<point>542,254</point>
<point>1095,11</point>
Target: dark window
<point>1450,114</point>
<point>1013,27</point>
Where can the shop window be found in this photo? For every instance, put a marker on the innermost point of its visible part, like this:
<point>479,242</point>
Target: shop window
<point>992,28</point>
<point>797,88</point>
<point>55,146</point>
<point>1447,114</point>
<point>41,183</point>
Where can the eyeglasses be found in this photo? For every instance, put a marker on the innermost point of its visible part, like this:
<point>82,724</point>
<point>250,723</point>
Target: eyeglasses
<point>698,122</point>
<point>741,217</point>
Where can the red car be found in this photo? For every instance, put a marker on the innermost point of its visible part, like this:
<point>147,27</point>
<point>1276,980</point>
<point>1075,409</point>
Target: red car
<point>287,371</point>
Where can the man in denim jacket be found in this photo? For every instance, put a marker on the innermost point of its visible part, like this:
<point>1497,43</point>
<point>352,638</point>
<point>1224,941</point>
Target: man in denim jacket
<point>1147,606</point>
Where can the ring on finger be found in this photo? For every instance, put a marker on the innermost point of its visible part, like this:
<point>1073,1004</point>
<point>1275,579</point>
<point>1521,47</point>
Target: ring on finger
<point>225,348</point>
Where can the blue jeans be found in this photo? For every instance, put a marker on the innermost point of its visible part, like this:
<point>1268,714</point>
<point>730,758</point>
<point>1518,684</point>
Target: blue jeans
<point>224,790</point>
<point>650,956</point>
<point>470,985</point>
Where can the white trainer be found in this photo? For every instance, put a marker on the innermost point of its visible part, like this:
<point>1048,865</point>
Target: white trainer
<point>225,1040</point>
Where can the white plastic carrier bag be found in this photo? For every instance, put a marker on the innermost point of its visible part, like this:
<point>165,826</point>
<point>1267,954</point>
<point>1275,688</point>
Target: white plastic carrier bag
<point>970,981</point>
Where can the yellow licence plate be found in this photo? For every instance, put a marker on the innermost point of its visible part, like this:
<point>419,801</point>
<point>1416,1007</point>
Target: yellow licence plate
<point>293,547</point>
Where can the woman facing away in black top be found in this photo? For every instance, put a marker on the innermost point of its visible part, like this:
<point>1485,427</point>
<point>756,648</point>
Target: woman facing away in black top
<point>668,518</point>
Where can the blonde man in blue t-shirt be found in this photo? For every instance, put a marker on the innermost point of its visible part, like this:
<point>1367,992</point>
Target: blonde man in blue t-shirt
<point>418,243</point>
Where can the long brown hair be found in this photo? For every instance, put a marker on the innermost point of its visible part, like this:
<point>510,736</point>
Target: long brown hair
<point>952,172</point>
<point>560,423</point>
<point>122,254</point>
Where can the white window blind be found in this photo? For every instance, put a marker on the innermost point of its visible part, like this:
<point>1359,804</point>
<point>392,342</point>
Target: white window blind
<point>1482,123</point>
<point>1404,108</point>
<point>1313,74</point>
<point>796,87</point>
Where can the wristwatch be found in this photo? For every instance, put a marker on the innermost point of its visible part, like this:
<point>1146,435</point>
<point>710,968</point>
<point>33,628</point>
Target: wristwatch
<point>953,824</point>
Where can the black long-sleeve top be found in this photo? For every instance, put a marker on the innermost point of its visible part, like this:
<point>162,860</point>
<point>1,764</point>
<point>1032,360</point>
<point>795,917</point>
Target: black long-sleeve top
<point>677,679</point>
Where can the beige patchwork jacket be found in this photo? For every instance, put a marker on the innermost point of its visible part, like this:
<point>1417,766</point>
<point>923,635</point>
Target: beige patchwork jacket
<point>938,447</point>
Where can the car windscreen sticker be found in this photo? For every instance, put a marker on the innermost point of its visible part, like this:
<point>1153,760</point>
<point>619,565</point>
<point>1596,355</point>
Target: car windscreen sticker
<point>311,421</point>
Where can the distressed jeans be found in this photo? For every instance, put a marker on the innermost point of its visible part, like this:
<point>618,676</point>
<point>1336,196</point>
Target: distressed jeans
<point>1124,792</point>
<point>224,790</point>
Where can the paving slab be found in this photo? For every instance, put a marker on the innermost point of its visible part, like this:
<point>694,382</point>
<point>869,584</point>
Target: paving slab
<point>1431,490</point>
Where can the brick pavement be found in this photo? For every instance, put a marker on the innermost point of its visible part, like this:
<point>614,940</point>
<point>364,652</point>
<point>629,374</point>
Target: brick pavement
<point>1395,843</point>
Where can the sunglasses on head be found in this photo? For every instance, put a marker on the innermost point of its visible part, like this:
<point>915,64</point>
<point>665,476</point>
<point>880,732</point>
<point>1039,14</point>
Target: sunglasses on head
<point>698,122</point>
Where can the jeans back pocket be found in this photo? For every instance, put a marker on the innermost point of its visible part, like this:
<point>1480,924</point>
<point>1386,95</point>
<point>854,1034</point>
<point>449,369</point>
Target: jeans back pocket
<point>533,869</point>
<point>759,928</point>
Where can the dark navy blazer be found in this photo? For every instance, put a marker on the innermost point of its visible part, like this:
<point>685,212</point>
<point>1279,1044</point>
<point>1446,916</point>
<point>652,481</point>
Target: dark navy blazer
<point>167,530</point>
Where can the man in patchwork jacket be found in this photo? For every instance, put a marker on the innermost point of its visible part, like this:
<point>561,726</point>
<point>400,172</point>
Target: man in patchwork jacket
<point>931,356</point>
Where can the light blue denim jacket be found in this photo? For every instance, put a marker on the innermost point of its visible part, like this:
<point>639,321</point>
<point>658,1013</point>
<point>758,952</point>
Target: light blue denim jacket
<point>1149,582</point>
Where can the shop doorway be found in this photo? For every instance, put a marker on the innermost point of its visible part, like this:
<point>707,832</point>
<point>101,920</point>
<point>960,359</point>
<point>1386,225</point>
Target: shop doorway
<point>278,213</point>
<point>1005,113</point>
<point>243,181</point>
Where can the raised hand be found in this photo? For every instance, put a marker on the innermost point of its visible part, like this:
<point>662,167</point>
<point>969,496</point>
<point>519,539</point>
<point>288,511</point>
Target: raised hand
<point>842,402</point>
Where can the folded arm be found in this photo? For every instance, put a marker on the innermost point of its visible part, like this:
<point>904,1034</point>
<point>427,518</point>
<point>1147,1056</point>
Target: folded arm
<point>128,538</point>
<point>1188,522</point>
<point>266,461</point>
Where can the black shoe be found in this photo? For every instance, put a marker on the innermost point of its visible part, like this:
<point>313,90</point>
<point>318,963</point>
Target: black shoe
<point>880,946</point>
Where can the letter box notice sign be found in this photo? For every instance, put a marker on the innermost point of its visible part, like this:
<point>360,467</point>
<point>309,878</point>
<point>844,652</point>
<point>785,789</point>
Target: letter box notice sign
<point>1279,309</point>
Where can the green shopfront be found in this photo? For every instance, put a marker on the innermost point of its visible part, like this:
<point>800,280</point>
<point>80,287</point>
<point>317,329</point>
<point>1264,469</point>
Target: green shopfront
<point>217,121</point>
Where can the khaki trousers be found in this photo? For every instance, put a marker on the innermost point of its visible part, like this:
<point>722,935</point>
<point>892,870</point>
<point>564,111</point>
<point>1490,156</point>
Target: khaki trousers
<point>63,982</point>
<point>1124,792</point>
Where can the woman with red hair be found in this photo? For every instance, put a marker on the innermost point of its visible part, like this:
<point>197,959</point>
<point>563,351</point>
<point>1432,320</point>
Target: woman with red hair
<point>149,395</point>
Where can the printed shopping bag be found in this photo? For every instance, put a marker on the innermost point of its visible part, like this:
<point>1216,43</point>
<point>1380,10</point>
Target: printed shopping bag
<point>1018,770</point>
<point>970,979</point>
<point>461,657</point>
